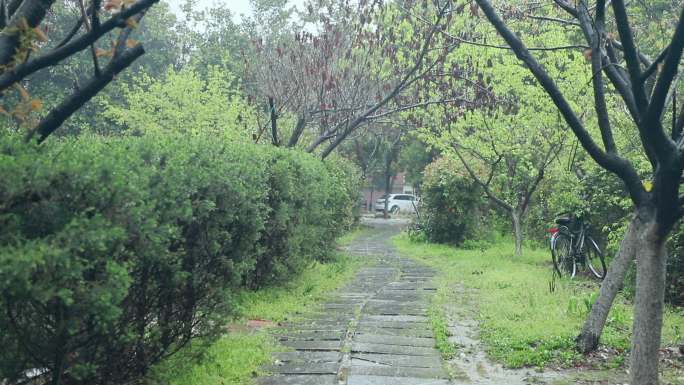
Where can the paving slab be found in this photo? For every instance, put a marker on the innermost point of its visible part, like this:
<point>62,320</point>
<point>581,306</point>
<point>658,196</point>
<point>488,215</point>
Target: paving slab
<point>360,347</point>
<point>372,331</point>
<point>395,340</point>
<point>370,359</point>
<point>395,324</point>
<point>298,380</point>
<point>398,371</point>
<point>407,332</point>
<point>307,356</point>
<point>313,345</point>
<point>304,368</point>
<point>382,380</point>
<point>310,336</point>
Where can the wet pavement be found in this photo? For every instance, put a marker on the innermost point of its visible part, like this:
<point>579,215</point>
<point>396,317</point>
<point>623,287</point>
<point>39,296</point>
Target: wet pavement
<point>373,331</point>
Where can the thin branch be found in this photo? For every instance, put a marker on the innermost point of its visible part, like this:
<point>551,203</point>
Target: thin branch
<point>553,19</point>
<point>654,66</point>
<point>72,33</point>
<point>405,82</point>
<point>420,104</point>
<point>597,79</point>
<point>655,132</point>
<point>81,96</point>
<point>53,57</point>
<point>485,186</point>
<point>630,54</point>
<point>615,164</point>
<point>567,7</point>
<point>557,48</point>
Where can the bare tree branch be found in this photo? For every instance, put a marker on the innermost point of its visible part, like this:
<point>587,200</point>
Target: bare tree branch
<point>485,186</point>
<point>597,79</point>
<point>53,57</point>
<point>407,80</point>
<point>81,96</point>
<point>611,162</point>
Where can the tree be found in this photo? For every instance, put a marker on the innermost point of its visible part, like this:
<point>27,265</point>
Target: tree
<point>504,132</point>
<point>345,76</point>
<point>25,49</point>
<point>645,87</point>
<point>508,160</point>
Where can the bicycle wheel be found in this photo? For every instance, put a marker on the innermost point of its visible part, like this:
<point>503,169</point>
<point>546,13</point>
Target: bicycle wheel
<point>594,258</point>
<point>563,258</point>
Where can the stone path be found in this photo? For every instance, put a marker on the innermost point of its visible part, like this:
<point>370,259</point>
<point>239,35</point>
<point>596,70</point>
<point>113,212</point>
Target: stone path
<point>373,331</point>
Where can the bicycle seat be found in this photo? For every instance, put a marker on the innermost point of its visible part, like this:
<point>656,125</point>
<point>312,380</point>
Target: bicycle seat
<point>564,220</point>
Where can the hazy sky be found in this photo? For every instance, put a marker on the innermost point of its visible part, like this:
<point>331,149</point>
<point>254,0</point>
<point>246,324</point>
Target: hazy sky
<point>237,7</point>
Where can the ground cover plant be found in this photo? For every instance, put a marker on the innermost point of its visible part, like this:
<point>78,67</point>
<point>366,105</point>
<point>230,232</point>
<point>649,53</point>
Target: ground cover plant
<point>523,322</point>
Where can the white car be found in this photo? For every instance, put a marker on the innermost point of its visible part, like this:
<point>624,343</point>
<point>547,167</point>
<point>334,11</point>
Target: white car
<point>397,203</point>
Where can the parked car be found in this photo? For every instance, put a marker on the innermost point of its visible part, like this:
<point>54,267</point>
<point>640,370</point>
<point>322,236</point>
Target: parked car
<point>397,203</point>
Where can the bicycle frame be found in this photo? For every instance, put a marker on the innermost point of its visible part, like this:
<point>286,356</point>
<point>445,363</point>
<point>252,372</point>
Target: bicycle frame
<point>577,241</point>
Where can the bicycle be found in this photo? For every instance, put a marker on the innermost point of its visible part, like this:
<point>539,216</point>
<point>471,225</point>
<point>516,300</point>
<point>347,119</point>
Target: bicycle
<point>572,246</point>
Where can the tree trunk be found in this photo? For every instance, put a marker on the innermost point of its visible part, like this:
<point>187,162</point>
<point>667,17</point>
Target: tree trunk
<point>517,232</point>
<point>388,184</point>
<point>588,339</point>
<point>648,305</point>
<point>388,190</point>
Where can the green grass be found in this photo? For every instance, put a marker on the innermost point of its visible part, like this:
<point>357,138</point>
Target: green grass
<point>523,323</point>
<point>439,323</point>
<point>235,358</point>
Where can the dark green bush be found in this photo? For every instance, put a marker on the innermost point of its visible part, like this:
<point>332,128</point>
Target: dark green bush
<point>451,205</point>
<point>115,252</point>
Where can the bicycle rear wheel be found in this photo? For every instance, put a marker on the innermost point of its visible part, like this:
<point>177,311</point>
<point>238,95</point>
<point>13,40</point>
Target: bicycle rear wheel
<point>594,258</point>
<point>562,255</point>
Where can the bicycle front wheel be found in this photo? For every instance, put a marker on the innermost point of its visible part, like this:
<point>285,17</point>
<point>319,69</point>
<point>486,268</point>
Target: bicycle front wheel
<point>563,257</point>
<point>594,258</point>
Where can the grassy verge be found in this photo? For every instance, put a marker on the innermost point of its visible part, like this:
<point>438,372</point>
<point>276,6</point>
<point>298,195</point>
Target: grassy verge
<point>235,358</point>
<point>522,321</point>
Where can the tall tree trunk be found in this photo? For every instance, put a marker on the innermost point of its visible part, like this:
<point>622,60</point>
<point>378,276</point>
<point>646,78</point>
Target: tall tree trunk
<point>588,339</point>
<point>388,183</point>
<point>648,305</point>
<point>388,191</point>
<point>517,231</point>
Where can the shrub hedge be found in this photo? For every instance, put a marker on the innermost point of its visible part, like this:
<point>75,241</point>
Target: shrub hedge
<point>115,252</point>
<point>452,204</point>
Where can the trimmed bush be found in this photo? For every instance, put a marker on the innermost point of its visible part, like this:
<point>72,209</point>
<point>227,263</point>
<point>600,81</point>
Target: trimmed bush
<point>451,204</point>
<point>115,252</point>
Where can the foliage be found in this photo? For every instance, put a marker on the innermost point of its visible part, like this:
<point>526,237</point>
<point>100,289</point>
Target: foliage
<point>523,323</point>
<point>53,47</point>
<point>237,355</point>
<point>186,102</point>
<point>116,252</point>
<point>451,206</point>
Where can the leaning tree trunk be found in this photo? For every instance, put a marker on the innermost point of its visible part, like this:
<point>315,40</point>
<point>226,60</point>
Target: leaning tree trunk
<point>648,305</point>
<point>588,339</point>
<point>516,218</point>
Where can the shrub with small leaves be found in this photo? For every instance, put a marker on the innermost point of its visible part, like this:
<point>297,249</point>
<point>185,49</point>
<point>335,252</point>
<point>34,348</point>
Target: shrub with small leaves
<point>115,252</point>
